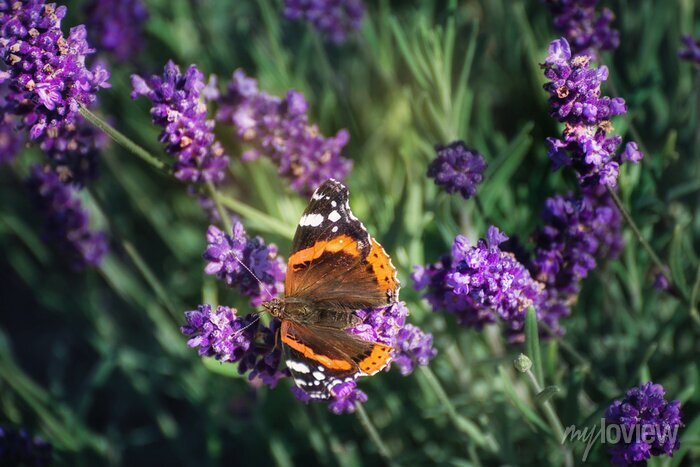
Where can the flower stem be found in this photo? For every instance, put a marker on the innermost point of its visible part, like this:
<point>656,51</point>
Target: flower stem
<point>463,424</point>
<point>225,219</point>
<point>663,269</point>
<point>553,420</point>
<point>373,434</point>
<point>250,213</point>
<point>123,140</point>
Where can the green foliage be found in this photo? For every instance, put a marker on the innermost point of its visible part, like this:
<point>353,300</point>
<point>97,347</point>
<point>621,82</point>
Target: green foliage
<point>95,363</point>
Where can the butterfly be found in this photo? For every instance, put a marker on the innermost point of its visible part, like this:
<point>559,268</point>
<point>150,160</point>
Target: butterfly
<point>335,268</point>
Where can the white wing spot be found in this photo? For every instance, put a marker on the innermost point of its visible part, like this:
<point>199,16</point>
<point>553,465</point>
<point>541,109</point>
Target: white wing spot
<point>334,229</point>
<point>313,220</point>
<point>298,366</point>
<point>318,375</point>
<point>333,216</point>
<point>300,382</point>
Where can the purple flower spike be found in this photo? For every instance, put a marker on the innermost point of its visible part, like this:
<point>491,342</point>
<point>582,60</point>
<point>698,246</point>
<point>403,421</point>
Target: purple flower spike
<point>46,71</point>
<point>413,347</point>
<point>66,222</point>
<point>457,169</point>
<point>690,49</point>
<point>587,31</point>
<point>334,19</point>
<point>381,324</point>
<point>280,129</point>
<point>575,99</point>
<point>74,149</point>
<point>480,283</point>
<point>346,395</point>
<point>661,282</point>
<point>225,253</point>
<point>179,106</point>
<point>576,233</point>
<point>492,280</point>
<point>117,25</point>
<point>632,153</point>
<point>653,421</point>
<point>229,338</point>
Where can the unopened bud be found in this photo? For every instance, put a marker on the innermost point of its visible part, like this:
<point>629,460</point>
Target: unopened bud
<point>522,363</point>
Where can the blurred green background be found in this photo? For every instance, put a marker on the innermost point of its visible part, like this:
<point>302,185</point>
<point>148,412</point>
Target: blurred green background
<point>94,362</point>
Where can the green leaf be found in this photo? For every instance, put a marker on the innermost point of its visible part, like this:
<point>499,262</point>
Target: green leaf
<point>532,342</point>
<point>529,414</point>
<point>546,394</point>
<point>677,261</point>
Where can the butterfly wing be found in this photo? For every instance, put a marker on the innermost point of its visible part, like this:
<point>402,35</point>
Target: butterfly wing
<point>321,357</point>
<point>335,263</point>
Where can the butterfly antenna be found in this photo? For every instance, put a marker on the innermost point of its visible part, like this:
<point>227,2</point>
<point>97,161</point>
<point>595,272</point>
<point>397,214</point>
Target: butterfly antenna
<point>262,284</point>
<point>257,318</point>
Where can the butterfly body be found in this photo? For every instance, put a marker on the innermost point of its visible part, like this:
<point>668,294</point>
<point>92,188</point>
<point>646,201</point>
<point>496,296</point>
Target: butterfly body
<point>335,268</point>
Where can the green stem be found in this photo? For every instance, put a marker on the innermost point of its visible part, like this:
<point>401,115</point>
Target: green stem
<point>663,269</point>
<point>225,219</point>
<point>373,434</point>
<point>460,422</point>
<point>553,420</point>
<point>151,279</point>
<point>123,140</point>
<point>272,224</point>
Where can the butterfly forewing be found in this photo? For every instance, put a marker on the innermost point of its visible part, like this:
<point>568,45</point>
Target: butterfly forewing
<point>334,260</point>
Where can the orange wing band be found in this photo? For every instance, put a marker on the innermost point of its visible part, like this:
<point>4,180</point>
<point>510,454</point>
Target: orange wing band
<point>378,359</point>
<point>308,352</point>
<point>384,271</point>
<point>342,243</point>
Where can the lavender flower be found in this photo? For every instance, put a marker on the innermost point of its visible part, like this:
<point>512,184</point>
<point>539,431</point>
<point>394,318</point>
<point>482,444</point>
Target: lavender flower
<point>587,31</point>
<point>381,324</point>
<point>17,447</point>
<point>179,106</point>
<point>334,19</point>
<point>575,99</point>
<point>457,168</point>
<point>492,279</point>
<point>66,222</point>
<point>690,50</point>
<point>280,129</point>
<point>644,408</point>
<point>73,150</point>
<point>46,71</point>
<point>346,396</point>
<point>117,24</point>
<point>576,232</point>
<point>413,347</point>
<point>225,253</point>
<point>661,282</point>
<point>480,283</point>
<point>229,338</point>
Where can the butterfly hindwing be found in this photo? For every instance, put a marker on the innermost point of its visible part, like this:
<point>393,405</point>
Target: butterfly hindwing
<point>320,357</point>
<point>334,260</point>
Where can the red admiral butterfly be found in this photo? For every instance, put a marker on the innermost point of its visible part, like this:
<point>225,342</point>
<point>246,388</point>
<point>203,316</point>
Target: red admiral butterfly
<point>335,268</point>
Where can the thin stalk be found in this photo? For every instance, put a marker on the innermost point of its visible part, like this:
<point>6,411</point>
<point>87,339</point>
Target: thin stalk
<point>123,140</point>
<point>225,219</point>
<point>460,422</point>
<point>646,245</point>
<point>151,278</point>
<point>553,420</point>
<point>374,434</point>
<point>251,213</point>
